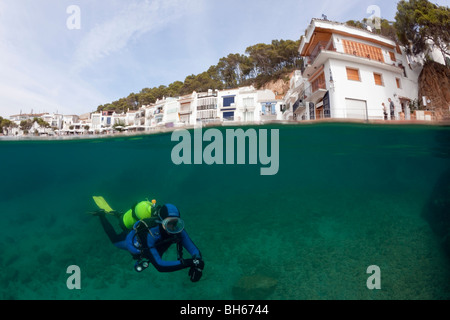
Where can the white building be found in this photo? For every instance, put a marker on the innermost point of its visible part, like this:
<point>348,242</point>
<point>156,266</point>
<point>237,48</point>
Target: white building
<point>248,105</point>
<point>188,107</point>
<point>69,121</point>
<point>158,117</point>
<point>96,122</point>
<point>205,107</point>
<point>102,121</point>
<point>238,105</point>
<point>134,120</point>
<point>17,118</point>
<point>54,120</point>
<point>269,108</point>
<point>171,112</point>
<point>350,72</point>
<point>294,104</point>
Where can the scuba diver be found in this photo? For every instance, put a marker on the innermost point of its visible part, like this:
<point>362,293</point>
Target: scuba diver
<point>147,233</point>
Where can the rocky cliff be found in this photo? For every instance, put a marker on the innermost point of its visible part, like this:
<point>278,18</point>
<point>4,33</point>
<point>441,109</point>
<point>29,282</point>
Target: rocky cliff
<point>434,83</point>
<point>280,87</point>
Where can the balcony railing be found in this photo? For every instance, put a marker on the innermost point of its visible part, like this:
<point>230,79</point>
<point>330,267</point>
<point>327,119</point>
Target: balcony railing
<point>321,46</point>
<point>268,117</point>
<point>185,109</point>
<point>319,83</point>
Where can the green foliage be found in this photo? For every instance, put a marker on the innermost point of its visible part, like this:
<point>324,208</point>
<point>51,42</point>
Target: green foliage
<point>6,124</point>
<point>418,21</point>
<point>119,126</point>
<point>41,122</point>
<point>234,70</point>
<point>26,125</point>
<point>262,63</point>
<point>387,28</point>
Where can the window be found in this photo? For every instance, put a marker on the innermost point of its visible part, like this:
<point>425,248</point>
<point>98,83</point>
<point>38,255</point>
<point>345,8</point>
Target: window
<point>228,116</point>
<point>378,79</point>
<point>207,103</point>
<point>392,54</point>
<point>228,101</point>
<point>353,74</point>
<point>399,84</point>
<point>249,116</point>
<point>206,114</point>
<point>249,102</point>
<point>404,71</point>
<point>319,83</point>
<point>268,108</point>
<point>312,111</point>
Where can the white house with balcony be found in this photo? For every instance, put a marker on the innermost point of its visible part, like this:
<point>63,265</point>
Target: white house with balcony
<point>205,107</point>
<point>269,108</point>
<point>17,118</point>
<point>294,105</point>
<point>172,112</point>
<point>226,105</point>
<point>239,105</point>
<point>69,120</point>
<point>188,108</point>
<point>351,72</point>
<point>149,116</point>
<point>54,120</point>
<point>135,120</point>
<point>158,110</point>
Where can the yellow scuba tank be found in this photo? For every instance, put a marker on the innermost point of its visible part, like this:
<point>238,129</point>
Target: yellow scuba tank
<point>143,210</point>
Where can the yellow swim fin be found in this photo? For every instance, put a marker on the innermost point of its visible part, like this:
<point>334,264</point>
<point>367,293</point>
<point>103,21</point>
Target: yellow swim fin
<point>102,204</point>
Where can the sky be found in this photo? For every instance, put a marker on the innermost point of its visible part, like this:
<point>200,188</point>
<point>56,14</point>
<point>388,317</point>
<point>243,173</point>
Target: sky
<point>70,56</point>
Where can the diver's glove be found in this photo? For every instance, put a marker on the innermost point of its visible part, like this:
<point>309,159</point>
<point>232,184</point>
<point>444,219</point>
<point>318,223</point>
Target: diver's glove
<point>196,271</point>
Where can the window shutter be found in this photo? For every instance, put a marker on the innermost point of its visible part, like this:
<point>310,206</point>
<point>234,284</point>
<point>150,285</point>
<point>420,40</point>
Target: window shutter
<point>353,74</point>
<point>392,54</point>
<point>378,79</point>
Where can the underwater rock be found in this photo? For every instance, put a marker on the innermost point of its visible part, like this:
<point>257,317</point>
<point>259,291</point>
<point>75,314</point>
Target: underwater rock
<point>256,287</point>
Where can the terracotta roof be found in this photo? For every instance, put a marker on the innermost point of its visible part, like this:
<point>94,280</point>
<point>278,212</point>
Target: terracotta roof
<point>30,115</point>
<point>351,27</point>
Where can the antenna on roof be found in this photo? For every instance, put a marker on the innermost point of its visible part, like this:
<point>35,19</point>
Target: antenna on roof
<point>324,17</point>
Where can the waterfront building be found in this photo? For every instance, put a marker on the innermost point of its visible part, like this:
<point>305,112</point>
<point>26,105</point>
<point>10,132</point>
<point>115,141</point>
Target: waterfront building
<point>17,118</point>
<point>158,117</point>
<point>269,107</point>
<point>134,120</point>
<point>55,121</point>
<point>171,112</point>
<point>226,105</point>
<point>187,109</point>
<point>205,107</point>
<point>350,72</point>
<point>248,105</point>
<point>294,102</point>
<point>69,121</point>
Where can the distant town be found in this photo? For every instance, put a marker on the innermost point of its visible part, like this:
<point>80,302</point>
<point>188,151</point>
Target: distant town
<point>348,73</point>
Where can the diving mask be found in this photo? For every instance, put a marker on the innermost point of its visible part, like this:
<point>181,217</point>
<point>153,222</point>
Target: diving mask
<point>173,225</point>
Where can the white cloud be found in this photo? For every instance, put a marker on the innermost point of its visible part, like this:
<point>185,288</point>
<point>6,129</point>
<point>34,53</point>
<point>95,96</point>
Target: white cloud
<point>44,89</point>
<point>29,80</point>
<point>134,20</point>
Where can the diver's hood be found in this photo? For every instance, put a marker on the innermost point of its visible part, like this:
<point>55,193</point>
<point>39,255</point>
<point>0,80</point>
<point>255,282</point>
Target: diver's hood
<point>169,211</point>
<point>170,220</point>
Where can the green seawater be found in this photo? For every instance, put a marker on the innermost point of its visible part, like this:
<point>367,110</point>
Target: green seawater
<point>346,197</point>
